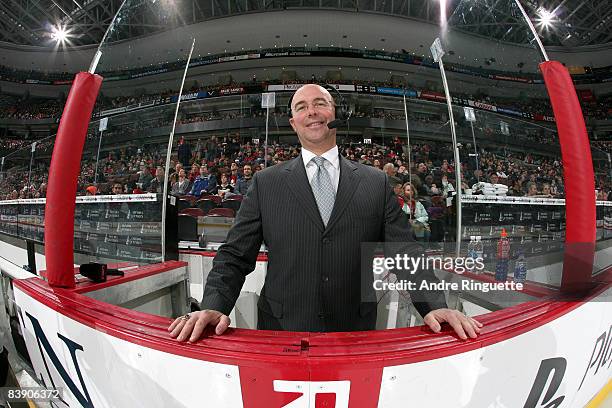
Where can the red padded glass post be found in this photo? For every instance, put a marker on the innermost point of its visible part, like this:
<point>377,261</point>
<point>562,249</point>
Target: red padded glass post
<point>578,175</point>
<point>63,174</point>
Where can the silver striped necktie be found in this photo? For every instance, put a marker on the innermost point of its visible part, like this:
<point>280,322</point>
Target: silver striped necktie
<point>323,189</point>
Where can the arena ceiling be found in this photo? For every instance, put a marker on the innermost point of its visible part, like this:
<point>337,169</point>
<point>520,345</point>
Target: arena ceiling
<point>561,23</point>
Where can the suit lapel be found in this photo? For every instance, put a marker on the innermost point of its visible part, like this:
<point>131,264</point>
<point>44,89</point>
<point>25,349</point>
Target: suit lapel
<point>297,181</point>
<point>349,181</point>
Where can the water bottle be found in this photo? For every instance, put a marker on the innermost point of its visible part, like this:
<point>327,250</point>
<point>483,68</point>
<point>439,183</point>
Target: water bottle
<point>503,257</point>
<point>520,268</point>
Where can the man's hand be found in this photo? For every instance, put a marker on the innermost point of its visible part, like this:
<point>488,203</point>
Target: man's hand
<point>191,326</point>
<point>461,323</point>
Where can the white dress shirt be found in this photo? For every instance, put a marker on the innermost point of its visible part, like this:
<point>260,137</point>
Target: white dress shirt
<point>331,156</point>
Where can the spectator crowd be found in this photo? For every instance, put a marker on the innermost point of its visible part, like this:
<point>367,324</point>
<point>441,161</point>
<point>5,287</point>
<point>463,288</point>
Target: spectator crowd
<point>224,165</point>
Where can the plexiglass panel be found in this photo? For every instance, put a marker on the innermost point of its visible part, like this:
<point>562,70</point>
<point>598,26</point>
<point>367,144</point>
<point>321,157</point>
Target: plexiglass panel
<point>202,129</point>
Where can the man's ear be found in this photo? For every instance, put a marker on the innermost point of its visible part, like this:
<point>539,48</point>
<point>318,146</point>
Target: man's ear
<point>291,122</point>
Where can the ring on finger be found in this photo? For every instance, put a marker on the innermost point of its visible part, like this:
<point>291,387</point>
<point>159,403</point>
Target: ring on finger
<point>186,317</point>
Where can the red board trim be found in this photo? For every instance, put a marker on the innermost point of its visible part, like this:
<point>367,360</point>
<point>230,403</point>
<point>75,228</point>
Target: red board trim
<point>263,349</point>
<point>129,276</point>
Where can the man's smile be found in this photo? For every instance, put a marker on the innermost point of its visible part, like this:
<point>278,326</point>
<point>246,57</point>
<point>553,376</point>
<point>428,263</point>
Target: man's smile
<point>314,125</point>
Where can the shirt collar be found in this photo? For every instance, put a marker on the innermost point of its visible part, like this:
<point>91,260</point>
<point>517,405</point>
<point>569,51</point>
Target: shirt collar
<point>331,156</point>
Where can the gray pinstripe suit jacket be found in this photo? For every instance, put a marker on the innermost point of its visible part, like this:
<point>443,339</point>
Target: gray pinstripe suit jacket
<point>313,280</point>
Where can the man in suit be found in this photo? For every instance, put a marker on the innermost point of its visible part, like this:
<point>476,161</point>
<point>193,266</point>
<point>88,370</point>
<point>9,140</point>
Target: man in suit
<point>313,213</point>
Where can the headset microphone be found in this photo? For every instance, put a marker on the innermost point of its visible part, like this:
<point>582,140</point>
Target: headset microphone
<point>343,111</point>
<point>334,124</point>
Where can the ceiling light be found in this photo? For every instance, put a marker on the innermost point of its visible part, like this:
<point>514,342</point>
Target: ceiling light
<point>443,12</point>
<point>546,17</point>
<point>59,34</point>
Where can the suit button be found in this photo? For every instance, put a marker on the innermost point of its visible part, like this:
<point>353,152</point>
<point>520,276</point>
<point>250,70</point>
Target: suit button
<point>326,240</point>
<point>325,278</point>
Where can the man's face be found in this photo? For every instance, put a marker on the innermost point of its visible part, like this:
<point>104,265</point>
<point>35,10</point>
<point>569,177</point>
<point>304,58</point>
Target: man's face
<point>203,171</point>
<point>247,170</point>
<point>494,179</point>
<point>117,189</point>
<point>422,168</point>
<point>234,166</point>
<point>313,109</point>
<point>159,173</point>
